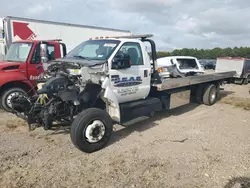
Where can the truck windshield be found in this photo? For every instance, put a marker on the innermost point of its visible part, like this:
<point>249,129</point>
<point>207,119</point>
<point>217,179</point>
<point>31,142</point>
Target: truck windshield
<point>94,50</point>
<point>18,52</point>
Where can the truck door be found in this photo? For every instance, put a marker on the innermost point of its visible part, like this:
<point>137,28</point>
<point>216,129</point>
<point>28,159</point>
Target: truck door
<point>34,66</point>
<point>132,83</point>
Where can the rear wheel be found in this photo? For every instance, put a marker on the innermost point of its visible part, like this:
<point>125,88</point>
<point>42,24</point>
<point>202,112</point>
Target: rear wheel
<point>245,81</point>
<point>8,95</point>
<point>210,94</point>
<point>91,130</point>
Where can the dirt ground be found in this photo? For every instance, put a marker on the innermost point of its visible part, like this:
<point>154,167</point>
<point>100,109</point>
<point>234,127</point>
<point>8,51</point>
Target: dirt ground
<point>192,146</point>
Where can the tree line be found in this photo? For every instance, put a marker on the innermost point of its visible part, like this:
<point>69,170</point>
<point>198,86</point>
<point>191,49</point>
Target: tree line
<point>208,53</point>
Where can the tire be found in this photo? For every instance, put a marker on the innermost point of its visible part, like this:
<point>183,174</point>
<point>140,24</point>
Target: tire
<point>210,94</point>
<point>242,81</point>
<point>1,107</point>
<point>245,81</point>
<point>80,127</point>
<point>5,98</point>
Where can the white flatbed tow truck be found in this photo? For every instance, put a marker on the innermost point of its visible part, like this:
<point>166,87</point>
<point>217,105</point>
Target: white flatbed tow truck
<point>130,87</point>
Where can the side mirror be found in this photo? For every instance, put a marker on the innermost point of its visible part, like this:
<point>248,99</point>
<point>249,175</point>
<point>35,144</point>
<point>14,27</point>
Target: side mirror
<point>43,53</point>
<point>121,61</point>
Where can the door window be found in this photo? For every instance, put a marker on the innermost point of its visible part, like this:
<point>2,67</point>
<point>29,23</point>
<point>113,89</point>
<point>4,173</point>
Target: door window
<point>36,54</point>
<point>133,49</point>
<point>51,52</point>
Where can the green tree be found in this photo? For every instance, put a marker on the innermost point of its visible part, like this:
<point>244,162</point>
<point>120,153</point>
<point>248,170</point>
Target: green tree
<point>208,53</point>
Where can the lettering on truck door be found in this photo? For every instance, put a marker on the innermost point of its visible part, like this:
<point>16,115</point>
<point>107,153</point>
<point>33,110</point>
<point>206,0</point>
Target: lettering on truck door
<point>132,83</point>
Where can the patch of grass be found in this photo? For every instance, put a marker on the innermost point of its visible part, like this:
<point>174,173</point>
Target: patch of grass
<point>237,102</point>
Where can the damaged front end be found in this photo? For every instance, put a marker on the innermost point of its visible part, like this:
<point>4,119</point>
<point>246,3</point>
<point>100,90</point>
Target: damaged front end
<point>27,109</point>
<point>62,96</point>
<point>56,100</point>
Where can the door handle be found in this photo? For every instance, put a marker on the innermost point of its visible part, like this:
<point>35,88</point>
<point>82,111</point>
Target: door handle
<point>145,73</point>
<point>114,76</point>
<point>38,66</point>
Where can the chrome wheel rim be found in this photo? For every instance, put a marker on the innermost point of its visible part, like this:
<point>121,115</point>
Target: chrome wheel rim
<point>213,95</point>
<point>95,131</point>
<point>8,100</point>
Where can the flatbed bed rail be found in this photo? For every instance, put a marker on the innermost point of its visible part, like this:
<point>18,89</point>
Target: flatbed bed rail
<point>174,83</point>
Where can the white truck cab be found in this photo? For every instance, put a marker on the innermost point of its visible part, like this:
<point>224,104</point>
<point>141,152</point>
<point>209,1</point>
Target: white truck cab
<point>184,64</point>
<point>132,83</point>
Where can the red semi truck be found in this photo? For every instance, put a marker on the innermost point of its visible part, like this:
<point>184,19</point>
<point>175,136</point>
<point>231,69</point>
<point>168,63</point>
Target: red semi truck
<point>22,67</point>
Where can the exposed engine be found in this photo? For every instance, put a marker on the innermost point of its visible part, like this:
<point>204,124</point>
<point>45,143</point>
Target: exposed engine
<point>56,99</point>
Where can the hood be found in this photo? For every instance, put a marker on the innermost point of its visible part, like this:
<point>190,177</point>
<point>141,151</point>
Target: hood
<point>6,65</point>
<point>81,62</point>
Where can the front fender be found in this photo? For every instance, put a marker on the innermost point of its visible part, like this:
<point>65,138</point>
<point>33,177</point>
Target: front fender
<point>110,98</point>
<point>7,78</point>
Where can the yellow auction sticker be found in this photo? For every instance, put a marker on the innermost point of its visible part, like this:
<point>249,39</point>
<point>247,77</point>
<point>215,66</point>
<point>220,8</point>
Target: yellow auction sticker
<point>76,70</point>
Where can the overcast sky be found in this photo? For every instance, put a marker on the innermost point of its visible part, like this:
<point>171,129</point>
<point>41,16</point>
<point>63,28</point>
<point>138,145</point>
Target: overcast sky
<point>174,23</point>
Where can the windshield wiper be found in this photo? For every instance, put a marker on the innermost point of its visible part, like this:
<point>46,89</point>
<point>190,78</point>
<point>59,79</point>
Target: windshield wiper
<point>82,57</point>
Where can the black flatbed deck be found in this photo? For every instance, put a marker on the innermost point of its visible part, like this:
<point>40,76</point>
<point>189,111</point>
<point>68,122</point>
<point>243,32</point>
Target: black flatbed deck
<point>173,83</point>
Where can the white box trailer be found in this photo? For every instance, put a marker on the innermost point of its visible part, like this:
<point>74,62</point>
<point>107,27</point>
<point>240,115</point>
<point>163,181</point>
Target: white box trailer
<point>240,65</point>
<point>17,28</point>
<point>2,50</point>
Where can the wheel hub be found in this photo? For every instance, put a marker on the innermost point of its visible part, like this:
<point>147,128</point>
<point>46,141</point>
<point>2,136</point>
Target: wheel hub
<point>95,131</point>
<point>213,95</point>
<point>8,100</point>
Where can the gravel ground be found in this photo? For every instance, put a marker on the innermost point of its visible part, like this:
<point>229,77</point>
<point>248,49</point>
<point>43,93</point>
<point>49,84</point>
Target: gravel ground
<point>192,146</point>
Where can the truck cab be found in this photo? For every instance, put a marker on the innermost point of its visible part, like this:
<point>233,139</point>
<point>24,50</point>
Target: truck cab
<point>22,67</point>
<point>184,65</point>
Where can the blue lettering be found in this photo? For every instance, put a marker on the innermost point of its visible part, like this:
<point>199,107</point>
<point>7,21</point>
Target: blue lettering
<point>124,79</point>
<point>138,78</point>
<point>127,80</point>
<point>115,80</point>
<point>131,79</point>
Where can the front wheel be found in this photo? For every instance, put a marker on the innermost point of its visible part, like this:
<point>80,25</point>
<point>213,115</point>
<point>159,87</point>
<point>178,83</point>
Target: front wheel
<point>91,130</point>
<point>8,95</point>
